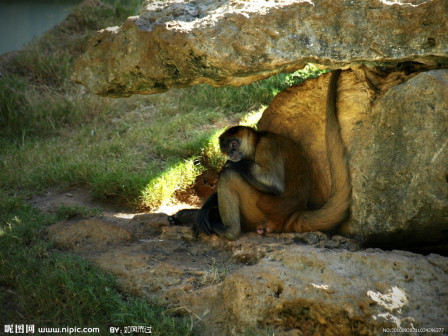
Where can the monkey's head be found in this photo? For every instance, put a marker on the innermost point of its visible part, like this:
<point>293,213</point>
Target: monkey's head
<point>238,142</point>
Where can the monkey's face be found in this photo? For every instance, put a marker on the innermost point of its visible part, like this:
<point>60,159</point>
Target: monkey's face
<point>231,148</point>
<point>238,142</point>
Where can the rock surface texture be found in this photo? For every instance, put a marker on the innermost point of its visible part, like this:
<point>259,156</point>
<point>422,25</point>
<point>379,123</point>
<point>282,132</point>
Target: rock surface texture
<point>289,284</point>
<point>395,127</point>
<point>179,43</point>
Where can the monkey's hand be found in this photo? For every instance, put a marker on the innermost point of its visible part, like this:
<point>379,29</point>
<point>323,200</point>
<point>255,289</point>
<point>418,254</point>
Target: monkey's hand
<point>247,169</point>
<point>239,166</point>
<point>233,164</point>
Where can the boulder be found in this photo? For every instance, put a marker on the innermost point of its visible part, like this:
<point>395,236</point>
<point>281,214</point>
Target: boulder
<point>395,127</point>
<point>321,292</point>
<point>178,43</point>
<point>275,283</point>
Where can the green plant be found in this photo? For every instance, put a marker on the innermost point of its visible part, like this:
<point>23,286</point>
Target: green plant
<point>12,103</point>
<point>65,211</point>
<point>163,188</point>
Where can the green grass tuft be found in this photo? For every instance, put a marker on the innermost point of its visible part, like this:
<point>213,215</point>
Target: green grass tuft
<point>163,188</point>
<point>65,211</point>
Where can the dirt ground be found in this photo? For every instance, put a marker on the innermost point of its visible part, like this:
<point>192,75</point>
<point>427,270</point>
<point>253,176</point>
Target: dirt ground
<point>123,241</point>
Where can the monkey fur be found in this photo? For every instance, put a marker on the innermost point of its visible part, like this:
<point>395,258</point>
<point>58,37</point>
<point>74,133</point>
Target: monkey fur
<point>265,186</point>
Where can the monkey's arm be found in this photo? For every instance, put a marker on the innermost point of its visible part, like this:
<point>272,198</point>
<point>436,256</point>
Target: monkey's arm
<point>266,174</point>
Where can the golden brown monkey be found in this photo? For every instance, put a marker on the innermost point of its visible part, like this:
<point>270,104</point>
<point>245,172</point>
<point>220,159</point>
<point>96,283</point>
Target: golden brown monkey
<point>266,183</point>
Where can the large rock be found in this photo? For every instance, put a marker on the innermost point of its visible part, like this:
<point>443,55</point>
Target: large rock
<point>322,292</point>
<point>395,126</point>
<point>261,283</point>
<point>228,42</point>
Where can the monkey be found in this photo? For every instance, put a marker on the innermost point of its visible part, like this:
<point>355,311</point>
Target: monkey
<point>265,185</point>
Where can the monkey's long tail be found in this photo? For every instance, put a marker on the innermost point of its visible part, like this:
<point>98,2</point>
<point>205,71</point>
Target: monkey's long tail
<point>336,207</point>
